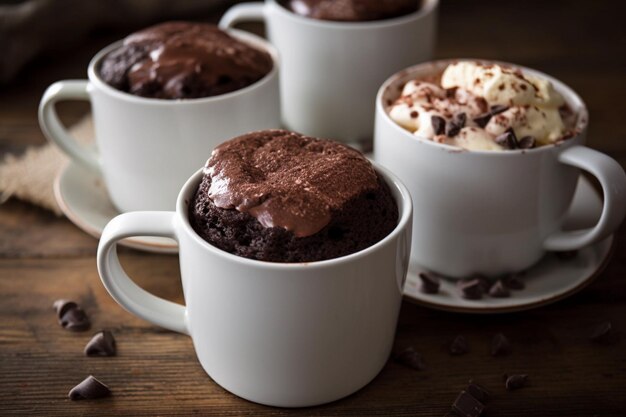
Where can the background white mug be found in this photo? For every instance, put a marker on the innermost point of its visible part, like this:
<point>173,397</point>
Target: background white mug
<point>281,334</point>
<point>493,212</point>
<point>147,148</point>
<point>331,71</point>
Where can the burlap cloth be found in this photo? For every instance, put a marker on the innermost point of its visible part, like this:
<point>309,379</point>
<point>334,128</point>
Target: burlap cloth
<point>30,176</point>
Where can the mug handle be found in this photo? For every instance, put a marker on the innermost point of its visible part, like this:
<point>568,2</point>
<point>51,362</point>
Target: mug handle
<point>129,295</point>
<point>612,178</point>
<point>247,12</point>
<point>55,131</point>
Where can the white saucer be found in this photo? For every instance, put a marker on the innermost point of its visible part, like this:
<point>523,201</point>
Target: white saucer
<point>548,281</point>
<point>83,198</point>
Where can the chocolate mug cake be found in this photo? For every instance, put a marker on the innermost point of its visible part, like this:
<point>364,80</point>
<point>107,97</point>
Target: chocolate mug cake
<point>279,196</point>
<point>352,10</point>
<point>182,60</point>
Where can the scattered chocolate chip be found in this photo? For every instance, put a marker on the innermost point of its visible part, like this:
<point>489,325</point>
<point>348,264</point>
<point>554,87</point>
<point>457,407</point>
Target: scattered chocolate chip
<point>602,333</point>
<point>482,120</point>
<point>430,283</point>
<point>500,345</point>
<point>460,119</point>
<point>459,346</point>
<point>439,124</point>
<point>507,139</point>
<point>471,290</point>
<point>498,108</point>
<point>479,392</point>
<point>75,319</point>
<point>467,406</point>
<point>514,382</point>
<point>62,306</point>
<point>450,92</point>
<point>499,290</point>
<point>527,142</point>
<point>514,282</point>
<point>452,129</point>
<point>410,358</point>
<point>414,114</point>
<point>89,389</point>
<point>101,344</point>
<point>566,255</point>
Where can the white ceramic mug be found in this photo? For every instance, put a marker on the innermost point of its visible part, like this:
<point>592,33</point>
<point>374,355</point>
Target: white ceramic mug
<point>493,212</point>
<point>147,148</point>
<point>281,334</point>
<point>331,71</point>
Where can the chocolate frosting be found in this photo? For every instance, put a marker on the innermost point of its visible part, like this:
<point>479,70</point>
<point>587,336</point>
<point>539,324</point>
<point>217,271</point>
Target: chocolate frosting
<point>352,10</point>
<point>184,60</point>
<point>287,180</point>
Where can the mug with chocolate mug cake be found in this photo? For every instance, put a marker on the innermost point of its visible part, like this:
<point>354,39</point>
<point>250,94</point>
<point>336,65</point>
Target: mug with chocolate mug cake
<point>160,98</point>
<point>335,54</point>
<point>293,256</point>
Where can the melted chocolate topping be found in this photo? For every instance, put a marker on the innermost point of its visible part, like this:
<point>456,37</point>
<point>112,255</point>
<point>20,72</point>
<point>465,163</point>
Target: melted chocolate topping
<point>287,180</point>
<point>352,10</point>
<point>184,60</point>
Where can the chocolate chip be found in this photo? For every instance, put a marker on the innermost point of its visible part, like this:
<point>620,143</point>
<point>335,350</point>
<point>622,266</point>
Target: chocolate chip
<point>101,344</point>
<point>450,92</point>
<point>499,290</point>
<point>460,119</point>
<point>500,345</point>
<point>482,120</point>
<point>507,140</point>
<point>514,382</point>
<point>459,346</point>
<point>430,283</point>
<point>414,114</point>
<point>467,406</point>
<point>479,392</point>
<point>498,108</point>
<point>75,319</point>
<point>410,358</point>
<point>566,255</point>
<point>439,124</point>
<point>62,306</point>
<point>514,282</point>
<point>89,389</point>
<point>527,142</point>
<point>452,129</point>
<point>602,333</point>
<point>471,290</point>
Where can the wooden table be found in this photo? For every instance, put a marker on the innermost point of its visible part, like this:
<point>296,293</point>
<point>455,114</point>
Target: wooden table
<point>43,258</point>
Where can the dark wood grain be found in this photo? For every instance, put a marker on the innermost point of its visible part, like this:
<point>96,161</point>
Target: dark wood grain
<point>43,258</point>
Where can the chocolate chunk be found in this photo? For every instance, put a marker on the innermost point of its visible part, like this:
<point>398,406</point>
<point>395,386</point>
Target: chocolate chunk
<point>451,92</point>
<point>439,124</point>
<point>430,283</point>
<point>471,290</point>
<point>603,333</point>
<point>89,389</point>
<point>482,120</point>
<point>514,282</point>
<point>514,382</point>
<point>452,129</point>
<point>410,358</point>
<point>62,306</point>
<point>527,142</point>
<point>507,140</point>
<point>479,392</point>
<point>414,114</point>
<point>101,344</point>
<point>499,290</point>
<point>566,255</point>
<point>460,119</point>
<point>498,108</point>
<point>500,345</point>
<point>75,319</point>
<point>467,406</point>
<point>459,346</point>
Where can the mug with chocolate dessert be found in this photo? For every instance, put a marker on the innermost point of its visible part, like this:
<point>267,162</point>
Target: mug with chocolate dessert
<point>491,153</point>
<point>293,256</point>
<point>160,99</point>
<point>335,55</point>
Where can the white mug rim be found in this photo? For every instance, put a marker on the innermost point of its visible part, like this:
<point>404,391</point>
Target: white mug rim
<point>424,10</point>
<point>244,36</point>
<point>405,209</point>
<point>581,123</point>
